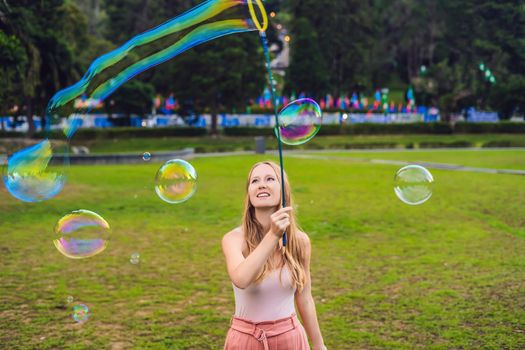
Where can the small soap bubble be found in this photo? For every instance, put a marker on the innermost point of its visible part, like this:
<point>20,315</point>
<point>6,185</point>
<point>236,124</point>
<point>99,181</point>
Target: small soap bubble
<point>299,121</point>
<point>135,258</point>
<point>413,184</point>
<point>146,156</point>
<point>70,299</point>
<point>80,313</point>
<point>176,181</point>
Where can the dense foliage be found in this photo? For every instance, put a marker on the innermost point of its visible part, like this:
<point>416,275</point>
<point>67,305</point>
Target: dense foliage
<point>448,50</point>
<point>454,53</point>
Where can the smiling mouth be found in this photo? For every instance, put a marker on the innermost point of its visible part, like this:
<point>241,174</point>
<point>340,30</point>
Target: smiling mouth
<point>263,195</point>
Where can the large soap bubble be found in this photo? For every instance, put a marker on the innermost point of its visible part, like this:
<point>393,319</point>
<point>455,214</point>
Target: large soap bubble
<point>33,174</point>
<point>81,234</point>
<point>413,184</point>
<point>299,121</point>
<point>176,181</point>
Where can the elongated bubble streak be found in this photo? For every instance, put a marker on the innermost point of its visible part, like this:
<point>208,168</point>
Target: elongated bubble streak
<point>188,41</point>
<point>207,21</point>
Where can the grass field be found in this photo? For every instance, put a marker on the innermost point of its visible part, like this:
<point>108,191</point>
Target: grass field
<point>226,144</point>
<point>448,274</point>
<point>494,159</point>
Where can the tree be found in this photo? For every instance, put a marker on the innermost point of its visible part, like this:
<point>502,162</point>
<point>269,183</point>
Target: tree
<point>344,33</point>
<point>308,71</point>
<point>219,75</point>
<point>51,34</point>
<point>13,62</point>
<point>134,97</point>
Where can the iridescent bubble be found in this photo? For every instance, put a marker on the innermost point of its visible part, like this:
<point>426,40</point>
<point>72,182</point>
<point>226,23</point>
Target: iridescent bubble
<point>135,258</point>
<point>176,181</point>
<point>70,299</point>
<point>299,121</point>
<point>413,184</point>
<point>80,313</point>
<point>146,156</point>
<point>30,176</point>
<point>81,234</point>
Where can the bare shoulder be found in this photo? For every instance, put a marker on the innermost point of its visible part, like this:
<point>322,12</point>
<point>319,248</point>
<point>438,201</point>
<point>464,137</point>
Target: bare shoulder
<point>303,238</point>
<point>233,242</point>
<point>234,237</point>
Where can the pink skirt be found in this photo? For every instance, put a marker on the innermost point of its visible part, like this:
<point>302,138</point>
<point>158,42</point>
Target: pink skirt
<point>284,334</point>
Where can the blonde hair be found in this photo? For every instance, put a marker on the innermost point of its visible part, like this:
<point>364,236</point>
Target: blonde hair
<point>294,253</point>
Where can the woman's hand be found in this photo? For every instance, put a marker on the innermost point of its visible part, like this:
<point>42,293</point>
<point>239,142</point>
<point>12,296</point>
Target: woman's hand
<point>280,221</point>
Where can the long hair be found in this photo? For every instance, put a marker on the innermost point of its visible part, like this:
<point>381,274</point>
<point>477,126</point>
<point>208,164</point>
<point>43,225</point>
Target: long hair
<point>294,253</point>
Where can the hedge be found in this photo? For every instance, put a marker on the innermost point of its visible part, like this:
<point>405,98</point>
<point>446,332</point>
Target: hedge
<point>374,129</point>
<point>409,128</point>
<point>5,134</point>
<point>438,144</point>
<point>115,133</point>
<point>484,128</point>
<point>354,129</point>
<point>350,129</point>
<point>247,131</point>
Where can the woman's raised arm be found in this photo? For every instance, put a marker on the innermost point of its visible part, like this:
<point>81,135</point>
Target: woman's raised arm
<point>243,271</point>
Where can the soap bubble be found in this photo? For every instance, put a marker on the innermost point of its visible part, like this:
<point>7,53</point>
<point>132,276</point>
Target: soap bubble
<point>299,121</point>
<point>35,173</point>
<point>80,313</point>
<point>176,181</point>
<point>69,299</point>
<point>135,258</point>
<point>82,234</point>
<point>146,156</point>
<point>413,184</point>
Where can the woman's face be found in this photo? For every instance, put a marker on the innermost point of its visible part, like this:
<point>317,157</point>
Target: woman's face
<point>264,189</point>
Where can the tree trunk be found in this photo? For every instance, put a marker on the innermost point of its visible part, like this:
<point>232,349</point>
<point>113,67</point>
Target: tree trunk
<point>214,118</point>
<point>29,116</point>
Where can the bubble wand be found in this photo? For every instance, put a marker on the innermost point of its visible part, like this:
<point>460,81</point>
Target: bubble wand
<point>264,41</point>
<point>262,33</point>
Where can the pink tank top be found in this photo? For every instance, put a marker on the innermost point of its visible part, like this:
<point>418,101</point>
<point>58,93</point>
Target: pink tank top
<point>267,300</point>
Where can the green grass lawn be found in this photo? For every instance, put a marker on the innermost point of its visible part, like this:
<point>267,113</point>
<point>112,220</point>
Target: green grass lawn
<point>448,274</point>
<point>496,159</point>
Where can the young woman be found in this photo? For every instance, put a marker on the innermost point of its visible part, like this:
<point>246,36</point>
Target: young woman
<point>267,277</point>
